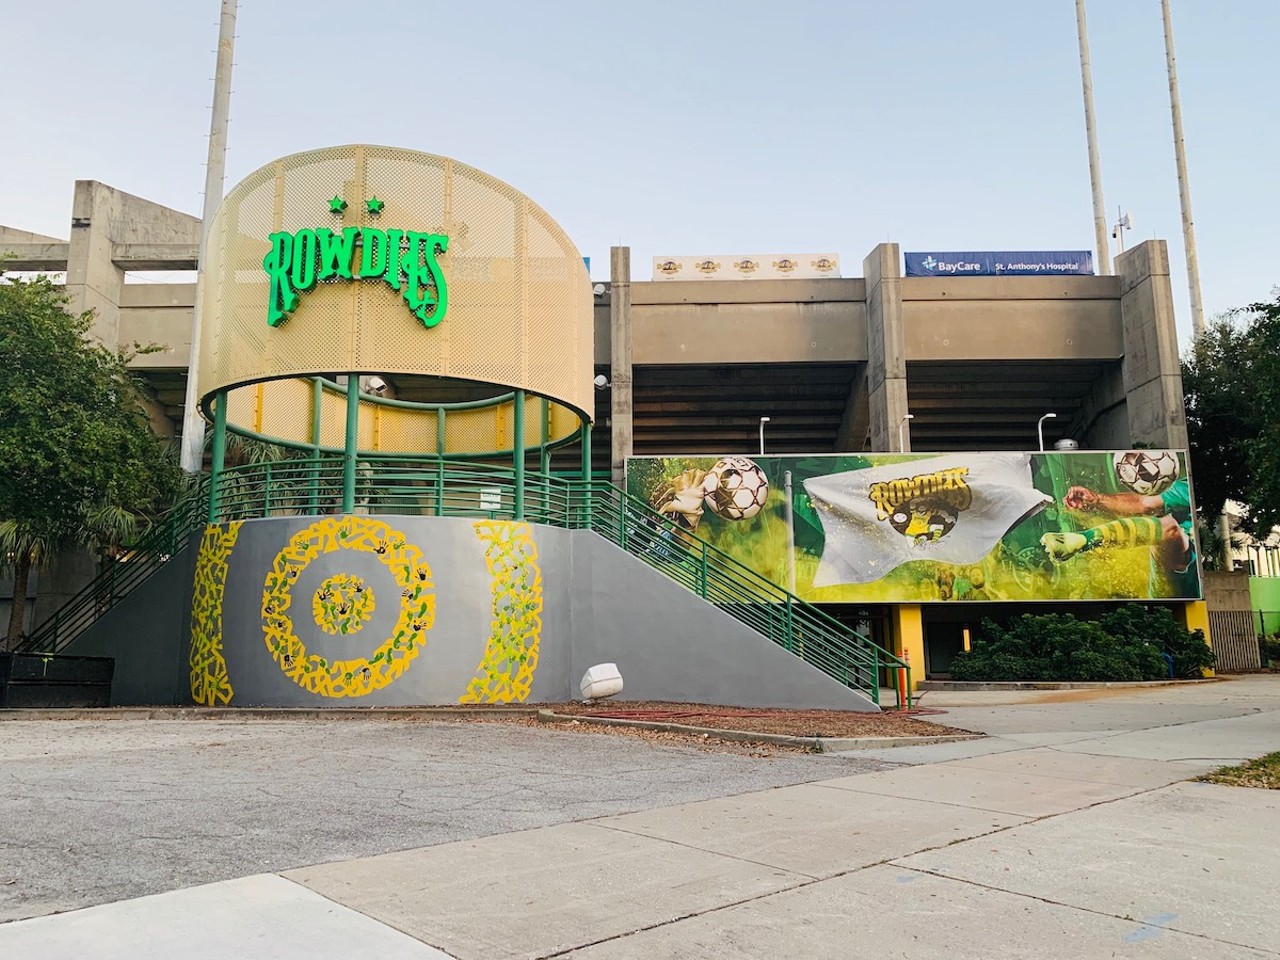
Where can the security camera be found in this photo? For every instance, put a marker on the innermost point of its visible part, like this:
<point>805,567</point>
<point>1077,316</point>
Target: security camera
<point>377,384</point>
<point>599,289</point>
<point>601,381</point>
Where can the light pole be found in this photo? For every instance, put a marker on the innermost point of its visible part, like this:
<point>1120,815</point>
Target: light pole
<point>1123,223</point>
<point>1091,135</point>
<point>763,421</point>
<point>1040,427</point>
<point>192,453</point>
<point>1184,188</point>
<point>902,431</point>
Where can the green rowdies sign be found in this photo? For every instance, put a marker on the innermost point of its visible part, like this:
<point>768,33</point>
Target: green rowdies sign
<point>406,260</point>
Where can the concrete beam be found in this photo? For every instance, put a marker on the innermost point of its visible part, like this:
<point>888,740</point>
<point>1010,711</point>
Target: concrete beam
<point>51,257</point>
<point>46,257</point>
<point>775,332</point>
<point>156,256</point>
<point>980,330</point>
<point>826,290</point>
<point>1074,289</point>
<point>10,235</point>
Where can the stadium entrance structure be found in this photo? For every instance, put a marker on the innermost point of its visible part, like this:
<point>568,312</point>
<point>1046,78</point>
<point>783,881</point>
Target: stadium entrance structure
<point>417,548</point>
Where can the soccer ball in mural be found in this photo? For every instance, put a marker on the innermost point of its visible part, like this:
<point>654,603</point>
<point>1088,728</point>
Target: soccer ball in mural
<point>1147,472</point>
<point>735,488</point>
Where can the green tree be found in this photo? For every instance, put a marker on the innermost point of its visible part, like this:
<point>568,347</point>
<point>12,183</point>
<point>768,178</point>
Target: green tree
<point>79,462</point>
<point>1231,377</point>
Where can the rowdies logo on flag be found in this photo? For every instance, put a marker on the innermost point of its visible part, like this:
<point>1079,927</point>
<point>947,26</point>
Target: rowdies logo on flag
<point>406,260</point>
<point>925,507</point>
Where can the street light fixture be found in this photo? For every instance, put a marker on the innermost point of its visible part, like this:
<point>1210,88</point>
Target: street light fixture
<point>763,421</point>
<point>1040,428</point>
<point>902,428</point>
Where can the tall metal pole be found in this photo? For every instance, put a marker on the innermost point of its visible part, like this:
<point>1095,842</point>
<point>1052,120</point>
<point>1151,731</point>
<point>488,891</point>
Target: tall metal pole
<point>1184,188</point>
<point>789,513</point>
<point>1091,133</point>
<point>214,179</point>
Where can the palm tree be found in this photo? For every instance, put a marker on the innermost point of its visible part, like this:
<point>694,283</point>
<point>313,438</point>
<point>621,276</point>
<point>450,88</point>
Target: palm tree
<point>106,528</point>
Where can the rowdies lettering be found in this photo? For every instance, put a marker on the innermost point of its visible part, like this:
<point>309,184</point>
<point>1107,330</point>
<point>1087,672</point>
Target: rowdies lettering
<point>925,507</point>
<point>406,260</point>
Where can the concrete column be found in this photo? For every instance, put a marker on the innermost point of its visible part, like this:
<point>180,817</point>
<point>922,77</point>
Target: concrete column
<point>886,351</point>
<point>94,282</point>
<point>1151,370</point>
<point>620,360</point>
<point>852,434</point>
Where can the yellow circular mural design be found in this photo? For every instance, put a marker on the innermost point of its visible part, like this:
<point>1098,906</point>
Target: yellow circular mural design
<point>363,675</point>
<point>342,604</point>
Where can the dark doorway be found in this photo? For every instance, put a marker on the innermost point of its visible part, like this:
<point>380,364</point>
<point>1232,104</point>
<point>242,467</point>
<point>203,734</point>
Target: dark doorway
<point>942,641</point>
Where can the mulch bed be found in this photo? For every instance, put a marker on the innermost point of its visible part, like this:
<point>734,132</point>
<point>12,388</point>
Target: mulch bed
<point>780,720</point>
<point>784,721</point>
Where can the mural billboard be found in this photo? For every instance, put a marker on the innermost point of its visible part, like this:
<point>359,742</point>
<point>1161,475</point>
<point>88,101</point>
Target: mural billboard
<point>921,528</point>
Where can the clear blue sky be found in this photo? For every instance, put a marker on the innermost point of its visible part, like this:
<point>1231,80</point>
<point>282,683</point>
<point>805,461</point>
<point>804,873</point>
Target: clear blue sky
<point>712,127</point>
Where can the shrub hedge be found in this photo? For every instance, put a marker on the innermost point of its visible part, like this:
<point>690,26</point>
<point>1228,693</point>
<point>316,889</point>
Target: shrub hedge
<point>1126,643</point>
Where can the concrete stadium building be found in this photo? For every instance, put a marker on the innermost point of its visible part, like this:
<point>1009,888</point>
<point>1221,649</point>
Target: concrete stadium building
<point>877,363</point>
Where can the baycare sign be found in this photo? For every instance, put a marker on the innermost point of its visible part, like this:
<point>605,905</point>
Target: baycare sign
<point>405,260</point>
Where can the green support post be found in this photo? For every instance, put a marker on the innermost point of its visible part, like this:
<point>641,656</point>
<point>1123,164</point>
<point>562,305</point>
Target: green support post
<point>313,491</point>
<point>351,442</point>
<point>440,487</point>
<point>517,449</point>
<point>586,471</point>
<point>544,455</point>
<point>219,451</point>
<point>790,630</point>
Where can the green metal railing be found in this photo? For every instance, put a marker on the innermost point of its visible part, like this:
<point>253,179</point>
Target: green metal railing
<point>322,484</point>
<point>166,537</point>
<point>438,487</point>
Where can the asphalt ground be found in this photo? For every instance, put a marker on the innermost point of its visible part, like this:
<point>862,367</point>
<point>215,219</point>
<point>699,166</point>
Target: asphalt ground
<point>94,812</point>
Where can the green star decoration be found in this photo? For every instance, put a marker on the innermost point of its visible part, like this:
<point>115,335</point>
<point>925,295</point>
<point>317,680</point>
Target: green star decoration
<point>375,205</point>
<point>337,205</point>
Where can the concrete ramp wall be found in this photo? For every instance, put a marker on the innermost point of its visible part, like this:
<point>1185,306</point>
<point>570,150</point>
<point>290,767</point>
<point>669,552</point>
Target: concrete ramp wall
<point>395,611</point>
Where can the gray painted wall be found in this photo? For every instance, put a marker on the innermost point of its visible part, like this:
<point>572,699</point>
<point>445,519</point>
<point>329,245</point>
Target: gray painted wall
<point>148,634</point>
<point>599,605</point>
<point>670,644</point>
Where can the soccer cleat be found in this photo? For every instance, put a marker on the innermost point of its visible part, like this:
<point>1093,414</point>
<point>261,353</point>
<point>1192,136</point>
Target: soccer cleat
<point>1063,546</point>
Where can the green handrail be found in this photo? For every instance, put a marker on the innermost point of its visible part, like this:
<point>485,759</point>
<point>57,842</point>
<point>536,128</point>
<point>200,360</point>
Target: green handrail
<point>431,486</point>
<point>162,541</point>
<point>438,487</point>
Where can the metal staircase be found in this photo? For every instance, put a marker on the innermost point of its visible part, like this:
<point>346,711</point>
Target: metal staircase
<point>434,487</point>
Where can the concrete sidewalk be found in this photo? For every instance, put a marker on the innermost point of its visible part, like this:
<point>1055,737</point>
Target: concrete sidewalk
<point>1066,833</point>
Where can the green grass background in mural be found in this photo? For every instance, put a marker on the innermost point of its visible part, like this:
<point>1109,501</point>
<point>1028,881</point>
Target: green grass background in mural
<point>1016,569</point>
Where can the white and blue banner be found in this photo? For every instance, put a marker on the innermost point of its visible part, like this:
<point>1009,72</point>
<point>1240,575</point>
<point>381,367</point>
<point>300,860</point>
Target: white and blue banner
<point>1001,263</point>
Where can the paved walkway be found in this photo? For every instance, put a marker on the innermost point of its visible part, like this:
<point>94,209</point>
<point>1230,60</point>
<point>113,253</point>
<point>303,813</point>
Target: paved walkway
<point>1069,832</point>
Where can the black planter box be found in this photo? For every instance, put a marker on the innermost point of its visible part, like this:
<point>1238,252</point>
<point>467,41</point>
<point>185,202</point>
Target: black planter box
<point>53,680</point>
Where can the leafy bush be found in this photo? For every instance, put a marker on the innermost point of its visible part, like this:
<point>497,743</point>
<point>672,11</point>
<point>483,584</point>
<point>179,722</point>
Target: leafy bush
<point>1269,649</point>
<point>1125,644</point>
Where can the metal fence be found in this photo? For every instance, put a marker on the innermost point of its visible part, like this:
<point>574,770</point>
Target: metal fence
<point>1235,640</point>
